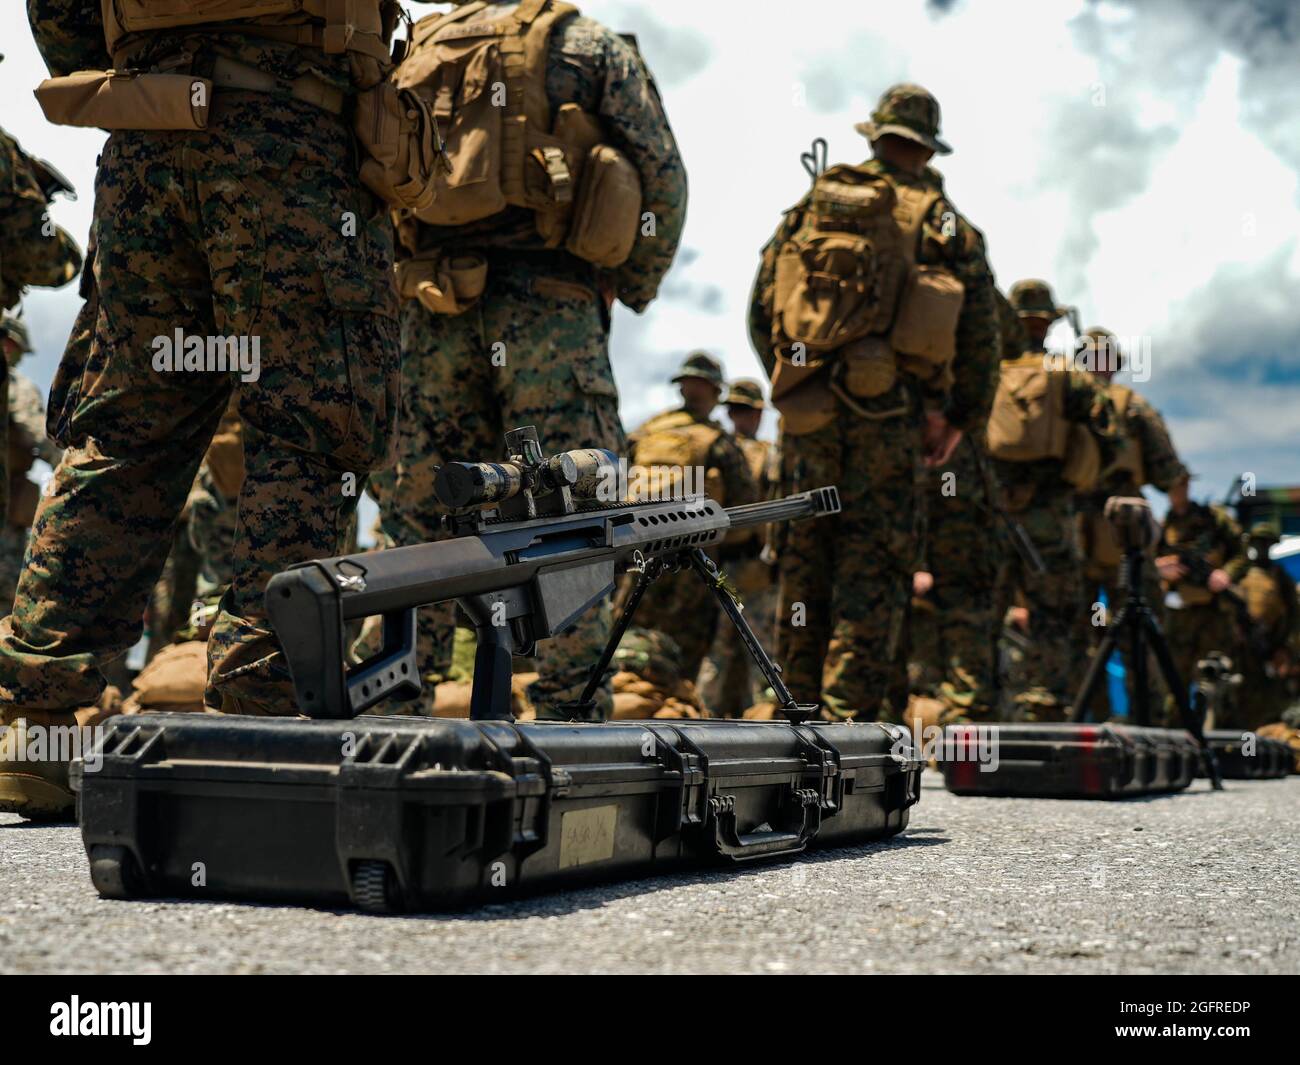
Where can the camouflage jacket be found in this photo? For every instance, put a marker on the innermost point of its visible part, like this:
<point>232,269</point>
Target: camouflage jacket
<point>722,458</point>
<point>1208,533</point>
<point>960,248</point>
<point>1086,402</point>
<point>1142,426</point>
<point>597,69</point>
<point>32,250</point>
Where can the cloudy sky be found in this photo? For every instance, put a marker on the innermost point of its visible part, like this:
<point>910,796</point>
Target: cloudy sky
<point>1142,156</point>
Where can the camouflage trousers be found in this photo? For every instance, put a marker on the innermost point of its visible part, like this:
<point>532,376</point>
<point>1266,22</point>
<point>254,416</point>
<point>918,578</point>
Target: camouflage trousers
<point>846,580</point>
<point>257,228</point>
<point>533,351</point>
<point>730,681</point>
<point>954,634</point>
<point>1193,632</point>
<point>1051,668</point>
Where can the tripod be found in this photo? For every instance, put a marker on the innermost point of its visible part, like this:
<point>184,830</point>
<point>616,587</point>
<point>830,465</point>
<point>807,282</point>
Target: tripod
<point>1139,620</point>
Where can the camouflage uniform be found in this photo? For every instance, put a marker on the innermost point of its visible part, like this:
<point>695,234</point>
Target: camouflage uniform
<point>239,229</point>
<point>680,603</point>
<point>534,348</point>
<point>846,581</point>
<point>730,681</point>
<point>1270,595</point>
<point>1196,620</point>
<point>1145,437</point>
<point>27,442</point>
<point>1042,501</point>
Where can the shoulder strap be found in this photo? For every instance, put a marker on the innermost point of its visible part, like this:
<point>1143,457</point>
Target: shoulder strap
<point>913,208</point>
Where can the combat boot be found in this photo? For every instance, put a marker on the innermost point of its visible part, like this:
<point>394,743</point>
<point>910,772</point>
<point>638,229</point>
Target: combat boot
<point>36,747</point>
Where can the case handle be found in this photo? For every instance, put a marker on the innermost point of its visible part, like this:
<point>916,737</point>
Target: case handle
<point>750,845</point>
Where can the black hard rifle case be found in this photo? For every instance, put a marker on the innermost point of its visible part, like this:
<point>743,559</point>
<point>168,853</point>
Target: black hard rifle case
<point>416,814</point>
<point>1247,756</point>
<point>1071,761</point>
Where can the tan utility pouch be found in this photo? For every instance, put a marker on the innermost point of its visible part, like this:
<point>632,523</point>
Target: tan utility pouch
<point>123,99</point>
<point>1082,467</point>
<point>607,213</point>
<point>579,132</point>
<point>449,284</point>
<point>926,323</point>
<point>870,367</point>
<point>397,132</point>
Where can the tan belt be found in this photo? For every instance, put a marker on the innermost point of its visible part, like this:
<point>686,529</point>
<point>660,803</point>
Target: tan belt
<point>232,74</point>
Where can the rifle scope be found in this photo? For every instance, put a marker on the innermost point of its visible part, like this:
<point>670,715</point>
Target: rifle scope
<point>473,484</point>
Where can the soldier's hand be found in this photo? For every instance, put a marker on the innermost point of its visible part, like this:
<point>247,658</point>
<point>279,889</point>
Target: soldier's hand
<point>1171,569</point>
<point>922,582</point>
<point>939,438</point>
<point>1019,616</point>
<point>1219,581</point>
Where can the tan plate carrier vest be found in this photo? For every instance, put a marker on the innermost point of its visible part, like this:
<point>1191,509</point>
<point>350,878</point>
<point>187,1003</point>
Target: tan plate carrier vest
<point>485,78</point>
<point>669,449</point>
<point>851,305</point>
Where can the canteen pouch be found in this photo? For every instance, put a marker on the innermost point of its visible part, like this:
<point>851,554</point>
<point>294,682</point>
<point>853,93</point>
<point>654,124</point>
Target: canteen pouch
<point>449,284</point>
<point>925,327</point>
<point>124,99</point>
<point>579,132</point>
<point>402,152</point>
<point>608,209</point>
<point>870,368</point>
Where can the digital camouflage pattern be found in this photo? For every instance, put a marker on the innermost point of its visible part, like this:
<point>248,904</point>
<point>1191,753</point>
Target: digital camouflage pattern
<point>534,349</point>
<point>848,578</point>
<point>907,111</point>
<point>27,442</point>
<point>1194,630</point>
<point>1039,498</point>
<point>954,629</point>
<point>243,229</point>
<point>729,680</point>
<point>680,603</point>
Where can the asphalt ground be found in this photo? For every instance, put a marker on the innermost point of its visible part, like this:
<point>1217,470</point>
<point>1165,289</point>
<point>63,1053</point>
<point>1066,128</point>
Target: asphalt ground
<point>1198,882</point>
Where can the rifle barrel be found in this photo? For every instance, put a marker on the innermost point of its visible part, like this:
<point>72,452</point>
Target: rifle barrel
<point>805,505</point>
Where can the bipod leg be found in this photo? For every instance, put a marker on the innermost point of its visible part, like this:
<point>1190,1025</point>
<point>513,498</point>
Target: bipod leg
<point>708,572</point>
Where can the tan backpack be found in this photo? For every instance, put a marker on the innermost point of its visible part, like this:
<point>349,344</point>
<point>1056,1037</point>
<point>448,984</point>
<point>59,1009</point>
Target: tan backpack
<point>1129,460</point>
<point>484,75</point>
<point>1028,421</point>
<point>850,298</point>
<point>670,452</point>
<point>839,277</point>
